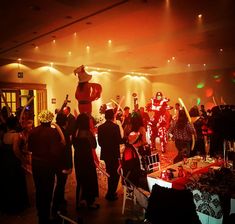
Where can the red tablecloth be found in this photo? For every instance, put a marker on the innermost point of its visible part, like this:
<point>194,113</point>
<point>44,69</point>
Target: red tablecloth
<point>179,182</point>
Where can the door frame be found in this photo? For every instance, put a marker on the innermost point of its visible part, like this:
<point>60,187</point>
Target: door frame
<point>40,94</point>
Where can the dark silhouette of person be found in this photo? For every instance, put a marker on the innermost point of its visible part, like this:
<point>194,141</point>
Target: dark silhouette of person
<point>109,139</point>
<point>47,153</point>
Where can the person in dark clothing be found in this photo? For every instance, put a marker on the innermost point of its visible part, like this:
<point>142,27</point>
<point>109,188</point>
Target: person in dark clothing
<point>84,143</point>
<point>109,139</point>
<point>59,202</point>
<point>168,205</point>
<point>47,153</point>
<point>132,160</point>
<point>71,120</point>
<point>13,187</point>
<point>182,132</point>
<point>198,122</point>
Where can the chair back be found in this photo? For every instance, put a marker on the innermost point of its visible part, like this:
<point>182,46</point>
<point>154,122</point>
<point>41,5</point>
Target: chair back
<point>128,188</point>
<point>152,163</point>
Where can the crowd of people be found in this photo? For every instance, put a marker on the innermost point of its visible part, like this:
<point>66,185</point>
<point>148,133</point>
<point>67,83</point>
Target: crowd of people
<point>50,146</point>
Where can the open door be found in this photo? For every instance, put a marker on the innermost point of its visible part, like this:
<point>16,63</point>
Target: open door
<point>30,98</point>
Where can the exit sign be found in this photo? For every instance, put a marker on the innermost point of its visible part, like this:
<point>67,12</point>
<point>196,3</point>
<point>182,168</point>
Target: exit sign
<point>20,75</point>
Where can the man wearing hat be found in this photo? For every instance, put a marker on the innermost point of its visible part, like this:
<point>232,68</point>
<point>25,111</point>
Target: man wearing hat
<point>86,92</point>
<point>44,142</point>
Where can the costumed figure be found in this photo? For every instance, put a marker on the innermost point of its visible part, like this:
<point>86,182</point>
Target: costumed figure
<point>86,92</point>
<point>159,123</point>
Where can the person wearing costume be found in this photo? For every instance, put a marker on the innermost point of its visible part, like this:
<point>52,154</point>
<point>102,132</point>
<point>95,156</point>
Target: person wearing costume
<point>86,92</point>
<point>161,119</point>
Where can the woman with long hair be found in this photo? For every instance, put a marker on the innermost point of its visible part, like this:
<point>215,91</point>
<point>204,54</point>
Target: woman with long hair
<point>84,143</point>
<point>182,131</point>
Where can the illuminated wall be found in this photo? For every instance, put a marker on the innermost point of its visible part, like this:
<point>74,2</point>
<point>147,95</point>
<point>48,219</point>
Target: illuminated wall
<point>61,81</point>
<point>205,87</point>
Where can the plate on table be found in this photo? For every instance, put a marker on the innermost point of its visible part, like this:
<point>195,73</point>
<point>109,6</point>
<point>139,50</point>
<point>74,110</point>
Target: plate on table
<point>210,160</point>
<point>215,167</point>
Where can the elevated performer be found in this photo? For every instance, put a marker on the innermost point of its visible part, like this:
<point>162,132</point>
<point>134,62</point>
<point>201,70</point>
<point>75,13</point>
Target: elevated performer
<point>86,92</point>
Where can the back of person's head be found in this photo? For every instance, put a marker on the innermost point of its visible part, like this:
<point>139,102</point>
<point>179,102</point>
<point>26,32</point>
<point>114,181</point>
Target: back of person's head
<point>4,112</point>
<point>83,122</point>
<point>133,137</point>
<point>109,114</point>
<point>66,110</point>
<point>136,121</point>
<point>45,117</point>
<point>177,105</point>
<point>61,119</point>
<point>11,122</point>
<point>194,112</point>
<point>182,119</point>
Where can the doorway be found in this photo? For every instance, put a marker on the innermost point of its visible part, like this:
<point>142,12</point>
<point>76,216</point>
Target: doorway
<point>30,98</point>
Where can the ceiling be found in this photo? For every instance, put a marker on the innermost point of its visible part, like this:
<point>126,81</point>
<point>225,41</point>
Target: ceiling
<point>155,37</point>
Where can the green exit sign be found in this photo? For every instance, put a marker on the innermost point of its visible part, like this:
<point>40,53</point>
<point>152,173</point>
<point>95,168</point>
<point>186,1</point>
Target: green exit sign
<point>20,75</point>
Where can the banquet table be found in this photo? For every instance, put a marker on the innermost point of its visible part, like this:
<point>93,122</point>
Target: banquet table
<point>207,196</point>
<point>189,169</point>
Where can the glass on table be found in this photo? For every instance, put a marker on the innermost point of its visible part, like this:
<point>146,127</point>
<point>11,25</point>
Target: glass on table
<point>185,159</point>
<point>193,164</point>
<point>181,172</point>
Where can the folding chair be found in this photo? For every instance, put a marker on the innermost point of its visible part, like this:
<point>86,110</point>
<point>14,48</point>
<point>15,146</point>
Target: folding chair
<point>152,163</point>
<point>128,189</point>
